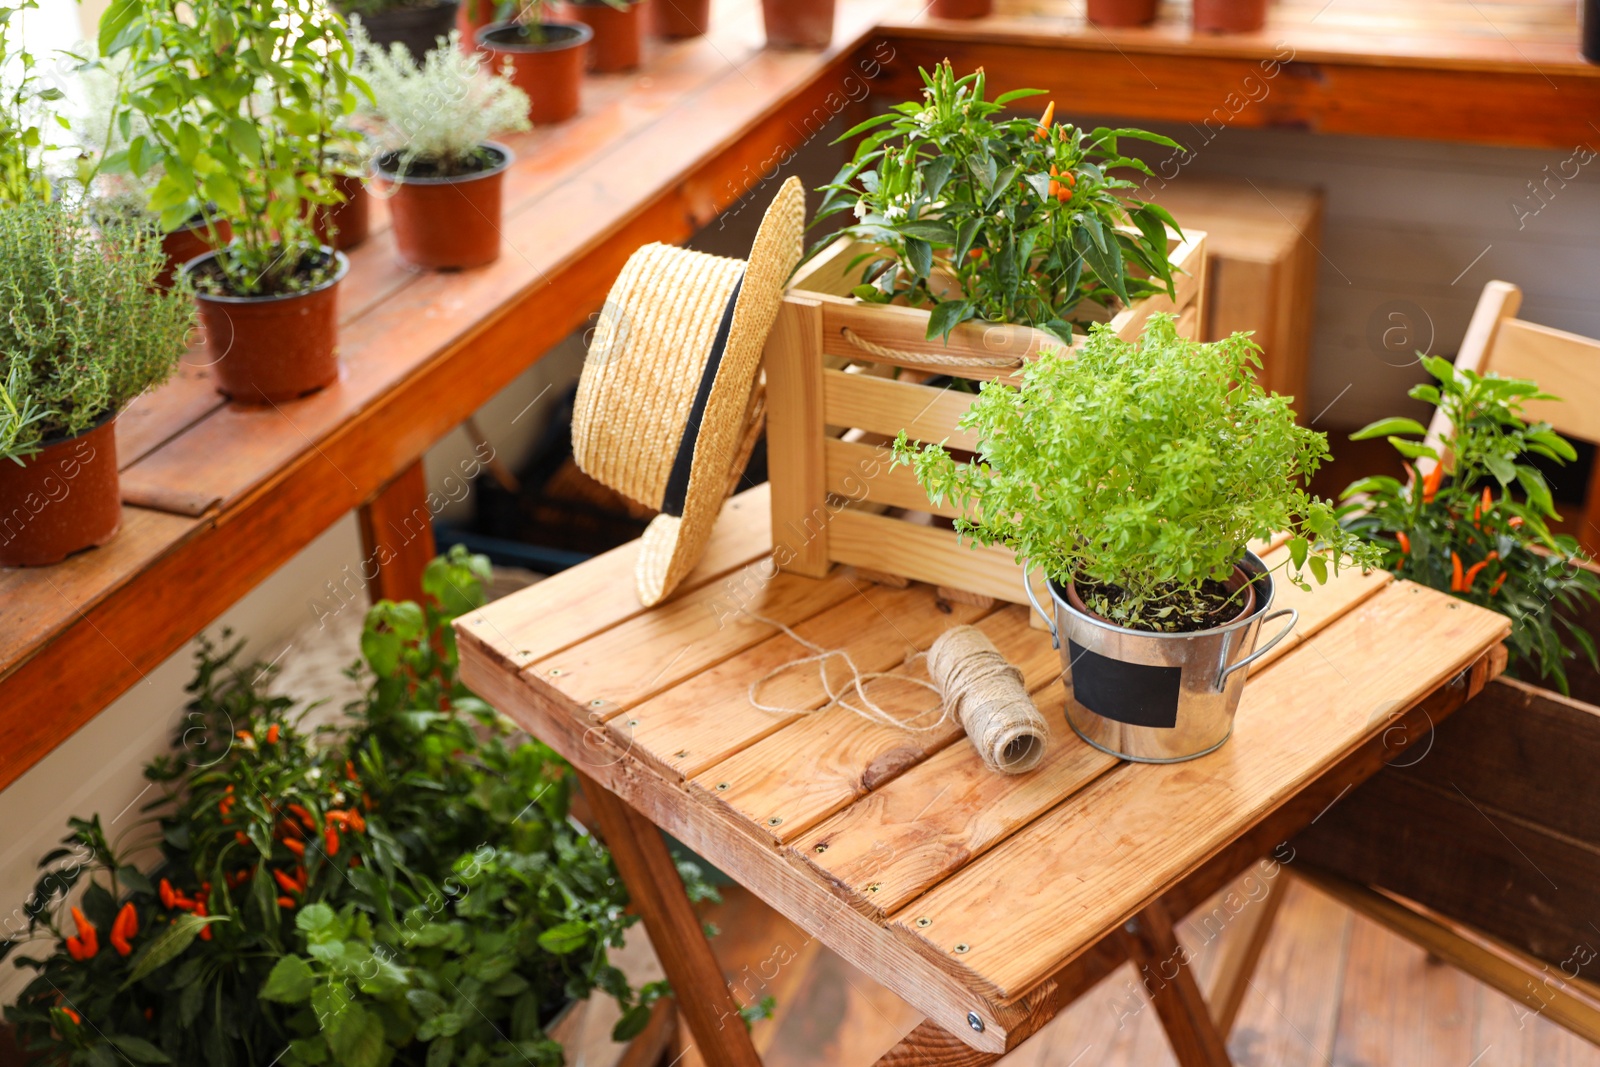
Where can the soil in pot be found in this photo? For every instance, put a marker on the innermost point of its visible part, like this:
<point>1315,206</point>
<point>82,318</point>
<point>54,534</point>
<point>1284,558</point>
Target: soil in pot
<point>62,499</point>
<point>960,9</point>
<point>798,23</point>
<point>618,33</point>
<point>1223,602</point>
<point>1229,16</point>
<point>679,18</point>
<point>346,224</point>
<point>188,243</point>
<point>1122,12</point>
<point>417,26</point>
<point>445,221</point>
<point>549,70</point>
<point>268,349</point>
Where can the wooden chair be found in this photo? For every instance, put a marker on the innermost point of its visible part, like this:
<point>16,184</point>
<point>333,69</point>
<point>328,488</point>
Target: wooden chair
<point>1564,364</point>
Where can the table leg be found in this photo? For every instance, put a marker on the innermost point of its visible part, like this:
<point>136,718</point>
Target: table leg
<point>397,536</point>
<point>647,869</point>
<point>1169,979</point>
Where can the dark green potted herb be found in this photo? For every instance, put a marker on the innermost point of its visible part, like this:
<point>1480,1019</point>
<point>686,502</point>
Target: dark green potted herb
<point>408,893</point>
<point>84,331</point>
<point>240,102</point>
<point>1135,475</point>
<point>543,57</point>
<point>1457,525</point>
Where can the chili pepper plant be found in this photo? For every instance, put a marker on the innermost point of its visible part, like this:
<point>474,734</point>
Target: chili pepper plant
<point>1001,219</point>
<point>1460,527</point>
<point>406,891</point>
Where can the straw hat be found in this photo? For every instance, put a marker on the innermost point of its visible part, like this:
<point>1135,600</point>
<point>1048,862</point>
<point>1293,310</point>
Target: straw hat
<point>666,404</point>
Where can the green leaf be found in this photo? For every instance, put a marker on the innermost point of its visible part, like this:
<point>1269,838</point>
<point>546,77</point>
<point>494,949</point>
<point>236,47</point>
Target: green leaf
<point>1319,567</point>
<point>167,947</point>
<point>114,24</point>
<point>1385,427</point>
<point>1413,449</point>
<point>290,981</point>
<point>1503,469</point>
<point>919,254</point>
<point>947,316</point>
<point>566,938</point>
<point>315,919</point>
<point>632,1023</point>
<point>933,231</point>
<point>356,1037</point>
<point>138,1049</point>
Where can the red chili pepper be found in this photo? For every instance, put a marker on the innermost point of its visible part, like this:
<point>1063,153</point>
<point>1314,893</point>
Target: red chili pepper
<point>1044,123</point>
<point>272,734</point>
<point>299,811</point>
<point>77,1020</point>
<point>300,878</point>
<point>244,735</point>
<point>1405,543</point>
<point>200,910</point>
<point>355,861</point>
<point>124,928</point>
<point>297,847</point>
<point>285,902</point>
<point>87,942</point>
<point>1455,573</point>
<point>286,883</point>
<point>330,838</point>
<point>1498,582</point>
<point>350,768</point>
<point>1516,522</point>
<point>168,898</point>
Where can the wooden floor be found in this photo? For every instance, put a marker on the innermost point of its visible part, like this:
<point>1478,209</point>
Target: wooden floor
<point>1332,988</point>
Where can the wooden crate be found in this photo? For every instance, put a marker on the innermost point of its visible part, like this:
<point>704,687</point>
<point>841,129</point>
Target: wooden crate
<point>835,397</point>
<point>1261,268</point>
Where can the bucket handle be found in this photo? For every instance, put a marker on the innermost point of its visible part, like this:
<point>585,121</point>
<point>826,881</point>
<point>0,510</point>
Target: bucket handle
<point>1294,617</point>
<point>1027,587</point>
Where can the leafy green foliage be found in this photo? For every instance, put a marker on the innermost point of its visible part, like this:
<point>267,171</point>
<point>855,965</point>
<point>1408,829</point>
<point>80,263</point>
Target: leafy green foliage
<point>440,113</point>
<point>1461,529</point>
<point>23,113</point>
<point>407,892</point>
<point>996,219</point>
<point>242,101</point>
<point>1144,466</point>
<point>84,331</point>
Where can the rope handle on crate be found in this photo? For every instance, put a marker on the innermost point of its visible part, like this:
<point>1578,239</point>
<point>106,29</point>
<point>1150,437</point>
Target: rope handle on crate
<point>930,359</point>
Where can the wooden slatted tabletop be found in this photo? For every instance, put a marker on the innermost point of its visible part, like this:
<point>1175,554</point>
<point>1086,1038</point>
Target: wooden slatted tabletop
<point>961,890</point>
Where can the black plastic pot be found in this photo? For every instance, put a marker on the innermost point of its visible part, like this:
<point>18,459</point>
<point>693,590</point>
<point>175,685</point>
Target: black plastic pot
<point>419,28</point>
<point>1589,30</point>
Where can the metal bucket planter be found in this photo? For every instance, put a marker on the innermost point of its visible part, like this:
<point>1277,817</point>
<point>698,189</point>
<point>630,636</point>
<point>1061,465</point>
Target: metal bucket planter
<point>1154,697</point>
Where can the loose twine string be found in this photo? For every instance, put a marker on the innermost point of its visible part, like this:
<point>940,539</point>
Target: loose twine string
<point>977,686</point>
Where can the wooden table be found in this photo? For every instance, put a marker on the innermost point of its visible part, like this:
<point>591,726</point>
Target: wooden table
<point>219,496</point>
<point>987,902</point>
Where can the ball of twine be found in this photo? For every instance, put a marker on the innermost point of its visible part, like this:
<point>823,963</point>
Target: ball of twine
<point>987,694</point>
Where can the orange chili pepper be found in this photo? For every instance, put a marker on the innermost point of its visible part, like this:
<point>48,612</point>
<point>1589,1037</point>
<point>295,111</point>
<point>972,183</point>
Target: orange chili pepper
<point>224,806</point>
<point>244,735</point>
<point>200,910</point>
<point>287,884</point>
<point>1431,483</point>
<point>285,902</point>
<point>241,837</point>
<point>1405,543</point>
<point>1483,507</point>
<point>1472,571</point>
<point>1044,123</point>
<point>77,1020</point>
<point>304,816</point>
<point>1455,573</point>
<point>272,734</point>
<point>350,768</point>
<point>239,877</point>
<point>300,878</point>
<point>124,928</point>
<point>330,838</point>
<point>87,942</point>
<point>1498,582</point>
<point>1516,522</point>
<point>297,847</point>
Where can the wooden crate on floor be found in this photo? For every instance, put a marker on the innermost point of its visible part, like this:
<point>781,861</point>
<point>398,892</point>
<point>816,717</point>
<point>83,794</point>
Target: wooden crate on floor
<point>1261,267</point>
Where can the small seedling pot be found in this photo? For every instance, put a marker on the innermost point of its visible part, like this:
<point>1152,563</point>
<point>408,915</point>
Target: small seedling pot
<point>1122,12</point>
<point>618,33</point>
<point>62,499</point>
<point>269,349</point>
<point>445,223</point>
<point>1229,16</point>
<point>185,244</point>
<point>1159,697</point>
<point>418,28</point>
<point>676,19</point>
<point>549,71</point>
<point>346,224</point>
<point>960,9</point>
<point>798,23</point>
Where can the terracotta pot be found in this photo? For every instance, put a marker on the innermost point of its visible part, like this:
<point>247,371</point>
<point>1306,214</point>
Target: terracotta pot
<point>798,23</point>
<point>618,33</point>
<point>183,245</point>
<point>418,28</point>
<point>551,72</point>
<point>1229,16</point>
<point>679,18</point>
<point>347,224</point>
<point>960,9</point>
<point>1122,12</point>
<point>63,499</point>
<point>445,223</point>
<point>472,16</point>
<point>273,348</point>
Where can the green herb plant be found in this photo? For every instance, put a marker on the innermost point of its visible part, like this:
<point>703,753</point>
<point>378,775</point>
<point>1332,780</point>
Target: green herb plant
<point>24,117</point>
<point>1140,471</point>
<point>404,891</point>
<point>242,101</point>
<point>84,330</point>
<point>1459,528</point>
<point>979,216</point>
<point>435,118</point>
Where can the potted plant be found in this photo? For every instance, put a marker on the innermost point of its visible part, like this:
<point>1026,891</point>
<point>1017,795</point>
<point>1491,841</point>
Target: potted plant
<point>1122,12</point>
<point>960,9</point>
<point>407,892</point>
<point>545,58</point>
<point>240,103</point>
<point>975,216</point>
<point>618,32</point>
<point>1135,475</point>
<point>678,19</point>
<point>438,169</point>
<point>1229,16</point>
<point>84,331</point>
<point>417,25</point>
<point>798,23</point>
<point>1455,524</point>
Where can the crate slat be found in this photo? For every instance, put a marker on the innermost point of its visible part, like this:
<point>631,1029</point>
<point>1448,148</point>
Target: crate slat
<point>886,406</point>
<point>925,554</point>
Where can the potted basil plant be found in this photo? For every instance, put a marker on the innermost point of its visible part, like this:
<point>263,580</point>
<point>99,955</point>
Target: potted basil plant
<point>84,331</point>
<point>1135,475</point>
<point>436,165</point>
<point>543,57</point>
<point>240,103</point>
